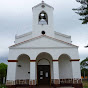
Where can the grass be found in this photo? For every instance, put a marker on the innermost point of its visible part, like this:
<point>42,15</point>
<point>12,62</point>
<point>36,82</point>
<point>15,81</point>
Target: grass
<point>3,86</point>
<point>85,84</point>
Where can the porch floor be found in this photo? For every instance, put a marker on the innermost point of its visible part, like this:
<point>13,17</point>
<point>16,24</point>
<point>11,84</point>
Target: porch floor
<point>52,87</point>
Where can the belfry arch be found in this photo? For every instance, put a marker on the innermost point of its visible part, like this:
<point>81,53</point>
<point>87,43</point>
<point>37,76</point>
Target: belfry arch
<point>43,18</point>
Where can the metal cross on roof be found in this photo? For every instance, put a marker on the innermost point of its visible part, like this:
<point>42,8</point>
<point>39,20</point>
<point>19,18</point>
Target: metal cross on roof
<point>42,1</point>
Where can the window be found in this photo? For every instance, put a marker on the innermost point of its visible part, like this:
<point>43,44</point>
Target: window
<point>43,32</point>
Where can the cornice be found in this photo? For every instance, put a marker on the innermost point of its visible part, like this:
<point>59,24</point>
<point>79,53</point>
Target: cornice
<point>41,47</point>
<point>23,35</point>
<point>46,37</point>
<point>60,34</point>
<point>42,4</point>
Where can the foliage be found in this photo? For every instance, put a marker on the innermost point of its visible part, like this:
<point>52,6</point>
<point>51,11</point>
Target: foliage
<point>3,86</point>
<point>3,71</point>
<point>83,10</point>
<point>84,67</point>
<point>84,63</point>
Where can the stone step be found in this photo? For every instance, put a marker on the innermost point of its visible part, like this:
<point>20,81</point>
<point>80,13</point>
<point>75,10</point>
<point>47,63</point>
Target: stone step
<point>52,87</point>
<point>45,87</point>
<point>65,87</point>
<point>22,87</point>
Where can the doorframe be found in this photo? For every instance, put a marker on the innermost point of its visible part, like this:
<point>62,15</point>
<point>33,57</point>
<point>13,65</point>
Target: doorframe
<point>50,70</point>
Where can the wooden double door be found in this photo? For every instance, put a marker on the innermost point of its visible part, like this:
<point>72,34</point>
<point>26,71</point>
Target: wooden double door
<point>43,74</point>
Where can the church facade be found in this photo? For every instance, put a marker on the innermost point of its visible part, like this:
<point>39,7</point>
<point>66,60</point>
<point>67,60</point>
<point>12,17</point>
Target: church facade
<point>43,56</point>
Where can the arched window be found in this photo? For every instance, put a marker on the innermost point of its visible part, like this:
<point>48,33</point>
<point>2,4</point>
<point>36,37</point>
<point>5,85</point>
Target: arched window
<point>43,18</point>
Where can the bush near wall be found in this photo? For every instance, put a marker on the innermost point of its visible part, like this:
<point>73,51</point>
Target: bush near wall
<point>3,86</point>
<point>3,72</point>
<point>84,68</point>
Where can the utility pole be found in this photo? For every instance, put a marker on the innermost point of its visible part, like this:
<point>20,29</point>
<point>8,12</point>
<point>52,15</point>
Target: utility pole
<point>84,74</point>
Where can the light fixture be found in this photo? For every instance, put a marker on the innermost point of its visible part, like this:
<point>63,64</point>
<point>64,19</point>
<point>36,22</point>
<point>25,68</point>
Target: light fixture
<point>19,65</point>
<point>28,72</point>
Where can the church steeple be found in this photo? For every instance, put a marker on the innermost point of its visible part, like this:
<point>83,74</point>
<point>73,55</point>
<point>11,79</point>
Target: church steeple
<point>43,19</point>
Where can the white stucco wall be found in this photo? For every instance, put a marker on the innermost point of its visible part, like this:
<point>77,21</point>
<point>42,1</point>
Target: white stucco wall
<point>28,36</point>
<point>11,72</point>
<point>56,70</point>
<point>63,38</point>
<point>76,69</point>
<point>23,37</point>
<point>33,52</point>
<point>41,43</point>
<point>32,70</point>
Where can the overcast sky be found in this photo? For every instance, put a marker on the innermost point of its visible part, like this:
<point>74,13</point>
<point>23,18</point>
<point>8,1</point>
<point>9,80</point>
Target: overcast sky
<point>16,18</point>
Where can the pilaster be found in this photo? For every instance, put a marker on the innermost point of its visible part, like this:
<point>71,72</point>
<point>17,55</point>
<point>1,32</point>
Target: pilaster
<point>56,72</point>
<point>11,72</point>
<point>32,72</point>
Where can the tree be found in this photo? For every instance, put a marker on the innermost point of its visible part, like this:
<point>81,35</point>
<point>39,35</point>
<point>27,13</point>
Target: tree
<point>84,67</point>
<point>3,71</point>
<point>83,10</point>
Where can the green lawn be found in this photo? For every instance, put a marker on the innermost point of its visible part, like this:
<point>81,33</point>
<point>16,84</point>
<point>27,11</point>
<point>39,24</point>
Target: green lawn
<point>85,84</point>
<point>3,86</point>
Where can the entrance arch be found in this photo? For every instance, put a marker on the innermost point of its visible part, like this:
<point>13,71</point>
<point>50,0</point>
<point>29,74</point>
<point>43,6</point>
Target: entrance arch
<point>23,67</point>
<point>65,67</point>
<point>43,62</point>
<point>44,66</point>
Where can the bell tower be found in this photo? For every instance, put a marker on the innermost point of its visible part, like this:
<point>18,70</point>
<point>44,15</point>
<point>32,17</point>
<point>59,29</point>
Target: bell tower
<point>43,20</point>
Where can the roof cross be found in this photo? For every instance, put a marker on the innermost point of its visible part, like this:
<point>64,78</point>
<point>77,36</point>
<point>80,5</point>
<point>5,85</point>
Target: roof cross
<point>42,1</point>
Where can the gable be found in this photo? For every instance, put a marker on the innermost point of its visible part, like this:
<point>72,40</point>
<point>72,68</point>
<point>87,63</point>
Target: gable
<point>43,41</point>
<point>42,3</point>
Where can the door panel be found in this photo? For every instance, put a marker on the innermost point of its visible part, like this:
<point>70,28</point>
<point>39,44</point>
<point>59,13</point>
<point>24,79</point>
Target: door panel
<point>44,74</point>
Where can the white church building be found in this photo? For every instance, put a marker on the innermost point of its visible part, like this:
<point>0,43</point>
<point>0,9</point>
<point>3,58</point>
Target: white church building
<point>43,56</point>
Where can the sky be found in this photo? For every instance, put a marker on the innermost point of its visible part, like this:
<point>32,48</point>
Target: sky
<point>16,18</point>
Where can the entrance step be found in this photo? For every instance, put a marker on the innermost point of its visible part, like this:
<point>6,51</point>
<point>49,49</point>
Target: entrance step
<point>64,87</point>
<point>22,87</point>
<point>52,87</point>
<point>44,87</point>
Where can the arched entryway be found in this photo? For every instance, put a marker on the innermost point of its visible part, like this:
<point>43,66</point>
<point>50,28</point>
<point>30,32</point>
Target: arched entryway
<point>44,68</point>
<point>65,68</point>
<point>23,69</point>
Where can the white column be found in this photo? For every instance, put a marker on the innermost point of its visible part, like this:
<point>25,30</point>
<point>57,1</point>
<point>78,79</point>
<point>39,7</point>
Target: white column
<point>11,73</point>
<point>76,69</point>
<point>32,73</point>
<point>56,72</point>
